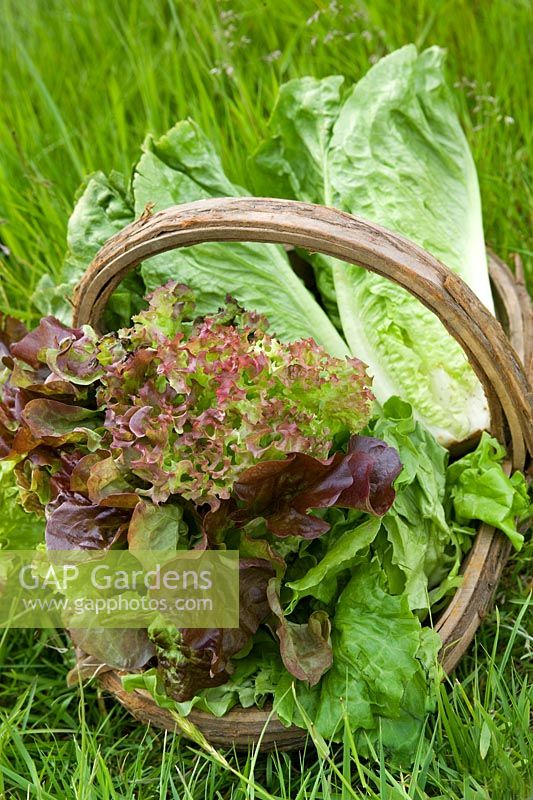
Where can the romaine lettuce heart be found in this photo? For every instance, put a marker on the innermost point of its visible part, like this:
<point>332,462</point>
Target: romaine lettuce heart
<point>391,150</point>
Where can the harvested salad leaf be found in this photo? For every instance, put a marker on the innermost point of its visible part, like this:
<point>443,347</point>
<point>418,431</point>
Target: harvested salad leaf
<point>183,166</point>
<point>180,167</point>
<point>376,643</point>
<point>176,406</point>
<point>281,492</point>
<point>389,149</point>
<point>305,647</point>
<point>116,437</point>
<point>377,667</point>
<point>195,658</point>
<point>480,489</point>
<point>103,206</point>
<point>418,547</point>
<point>125,648</point>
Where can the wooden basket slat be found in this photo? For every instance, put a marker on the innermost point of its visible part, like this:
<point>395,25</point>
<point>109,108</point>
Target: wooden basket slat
<point>516,302</point>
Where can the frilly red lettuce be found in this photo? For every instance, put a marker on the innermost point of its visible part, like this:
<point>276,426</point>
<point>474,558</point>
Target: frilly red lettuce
<point>185,405</point>
<point>193,432</point>
<point>193,403</point>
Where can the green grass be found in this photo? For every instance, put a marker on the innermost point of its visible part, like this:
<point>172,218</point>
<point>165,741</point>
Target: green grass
<point>63,743</point>
<point>82,82</point>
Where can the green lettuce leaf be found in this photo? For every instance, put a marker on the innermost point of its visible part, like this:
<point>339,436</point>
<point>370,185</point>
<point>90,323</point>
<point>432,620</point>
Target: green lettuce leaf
<point>383,668</point>
<point>294,161</point>
<point>422,539</point>
<point>422,547</point>
<point>216,701</point>
<point>103,207</point>
<point>182,166</point>
<point>401,735</point>
<point>419,547</point>
<point>321,580</point>
<point>391,150</point>
<point>479,489</point>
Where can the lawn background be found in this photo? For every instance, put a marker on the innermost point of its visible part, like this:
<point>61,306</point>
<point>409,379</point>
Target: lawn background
<point>82,82</point>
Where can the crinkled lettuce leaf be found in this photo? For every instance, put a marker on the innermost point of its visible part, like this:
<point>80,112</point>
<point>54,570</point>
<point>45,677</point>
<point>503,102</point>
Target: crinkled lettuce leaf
<point>180,167</point>
<point>391,150</point>
<point>480,489</point>
<point>379,685</point>
<point>419,547</point>
<point>343,554</point>
<point>250,683</point>
<point>376,673</point>
<point>384,665</point>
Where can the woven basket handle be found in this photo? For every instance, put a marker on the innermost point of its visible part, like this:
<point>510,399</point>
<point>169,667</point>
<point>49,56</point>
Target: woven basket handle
<point>333,233</point>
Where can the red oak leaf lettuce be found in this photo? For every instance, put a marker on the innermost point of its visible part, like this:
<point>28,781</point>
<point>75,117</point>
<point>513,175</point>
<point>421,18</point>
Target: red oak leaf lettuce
<point>57,483</point>
<point>305,648</point>
<point>212,414</point>
<point>196,658</point>
<point>184,405</point>
<point>38,405</point>
<point>49,334</point>
<point>283,491</point>
<point>74,523</point>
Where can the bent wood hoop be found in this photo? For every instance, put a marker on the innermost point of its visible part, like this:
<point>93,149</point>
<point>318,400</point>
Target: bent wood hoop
<point>354,240</point>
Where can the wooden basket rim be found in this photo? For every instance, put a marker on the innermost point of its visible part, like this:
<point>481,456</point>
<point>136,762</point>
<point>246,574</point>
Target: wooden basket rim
<point>354,240</point>
<point>346,237</point>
